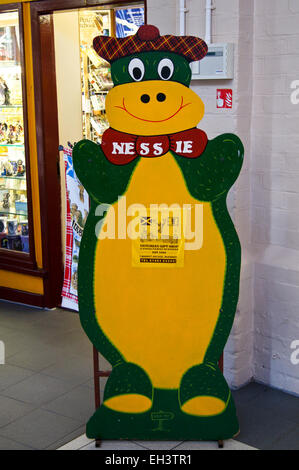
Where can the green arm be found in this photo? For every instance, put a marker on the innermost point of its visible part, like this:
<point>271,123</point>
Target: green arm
<point>86,292</point>
<point>209,178</point>
<point>214,172</point>
<point>103,180</point>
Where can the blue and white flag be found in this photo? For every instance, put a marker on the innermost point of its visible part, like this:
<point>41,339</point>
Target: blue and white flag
<point>128,21</point>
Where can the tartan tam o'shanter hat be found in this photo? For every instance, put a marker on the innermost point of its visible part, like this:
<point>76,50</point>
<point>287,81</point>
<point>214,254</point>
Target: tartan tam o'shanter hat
<point>148,39</point>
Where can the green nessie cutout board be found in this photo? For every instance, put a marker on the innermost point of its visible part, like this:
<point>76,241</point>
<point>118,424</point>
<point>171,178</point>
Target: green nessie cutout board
<point>160,258</point>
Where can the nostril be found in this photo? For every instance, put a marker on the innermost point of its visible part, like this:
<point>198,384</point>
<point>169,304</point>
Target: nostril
<point>161,97</point>
<point>145,98</point>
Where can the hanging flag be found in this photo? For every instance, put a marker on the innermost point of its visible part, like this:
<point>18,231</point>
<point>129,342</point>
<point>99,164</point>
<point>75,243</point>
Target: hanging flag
<point>128,21</point>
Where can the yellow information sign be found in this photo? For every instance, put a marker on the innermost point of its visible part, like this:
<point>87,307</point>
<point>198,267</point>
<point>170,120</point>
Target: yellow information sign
<point>160,243</point>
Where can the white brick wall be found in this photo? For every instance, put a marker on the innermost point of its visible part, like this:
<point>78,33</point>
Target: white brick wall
<point>232,22</point>
<point>265,201</point>
<point>275,192</point>
<point>276,318</point>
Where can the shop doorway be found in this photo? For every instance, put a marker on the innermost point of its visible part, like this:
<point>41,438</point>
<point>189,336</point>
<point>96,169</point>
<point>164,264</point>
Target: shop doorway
<point>70,88</point>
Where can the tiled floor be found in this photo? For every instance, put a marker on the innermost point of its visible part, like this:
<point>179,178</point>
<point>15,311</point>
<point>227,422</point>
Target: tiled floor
<point>46,393</point>
<point>46,389</point>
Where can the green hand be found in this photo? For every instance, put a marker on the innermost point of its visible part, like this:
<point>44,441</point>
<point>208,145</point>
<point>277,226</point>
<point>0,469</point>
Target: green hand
<point>213,173</point>
<point>103,181</point>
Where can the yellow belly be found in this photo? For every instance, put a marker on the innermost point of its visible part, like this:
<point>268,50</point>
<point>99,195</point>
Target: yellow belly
<point>162,319</point>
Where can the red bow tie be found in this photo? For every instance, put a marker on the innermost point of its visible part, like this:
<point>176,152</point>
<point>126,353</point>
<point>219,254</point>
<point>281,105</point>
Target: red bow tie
<point>120,148</point>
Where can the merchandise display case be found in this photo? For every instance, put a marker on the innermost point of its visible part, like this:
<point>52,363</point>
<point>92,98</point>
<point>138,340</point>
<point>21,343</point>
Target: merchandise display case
<point>95,72</point>
<point>14,225</point>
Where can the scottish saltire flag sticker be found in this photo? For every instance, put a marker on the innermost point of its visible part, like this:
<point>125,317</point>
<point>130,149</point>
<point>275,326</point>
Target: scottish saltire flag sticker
<point>128,21</point>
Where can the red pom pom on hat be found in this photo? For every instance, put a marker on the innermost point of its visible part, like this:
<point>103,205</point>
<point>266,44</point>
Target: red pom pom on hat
<point>148,32</point>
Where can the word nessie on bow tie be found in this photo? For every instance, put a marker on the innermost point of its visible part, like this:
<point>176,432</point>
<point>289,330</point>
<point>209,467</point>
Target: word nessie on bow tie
<point>120,148</point>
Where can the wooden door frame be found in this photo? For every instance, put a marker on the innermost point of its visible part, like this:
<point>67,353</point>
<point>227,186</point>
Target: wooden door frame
<point>47,135</point>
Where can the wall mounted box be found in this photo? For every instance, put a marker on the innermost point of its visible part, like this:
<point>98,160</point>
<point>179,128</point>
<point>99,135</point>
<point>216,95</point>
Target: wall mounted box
<point>218,63</point>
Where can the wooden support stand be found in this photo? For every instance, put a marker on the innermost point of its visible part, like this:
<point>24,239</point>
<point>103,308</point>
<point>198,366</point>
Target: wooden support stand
<point>97,388</point>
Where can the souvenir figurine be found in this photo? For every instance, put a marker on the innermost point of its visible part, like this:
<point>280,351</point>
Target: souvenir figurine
<point>11,135</point>
<point>4,243</point>
<point>20,168</point>
<point>6,168</point>
<point>14,165</point>
<point>4,93</point>
<point>12,226</point>
<point>2,225</point>
<point>19,133</point>
<point>24,228</point>
<point>3,132</point>
<point>2,135</point>
<point>5,201</point>
<point>15,243</point>
<point>163,327</point>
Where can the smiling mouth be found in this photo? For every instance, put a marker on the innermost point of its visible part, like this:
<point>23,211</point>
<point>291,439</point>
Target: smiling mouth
<point>182,106</point>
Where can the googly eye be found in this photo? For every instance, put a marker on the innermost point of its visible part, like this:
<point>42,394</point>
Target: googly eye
<point>136,69</point>
<point>165,69</point>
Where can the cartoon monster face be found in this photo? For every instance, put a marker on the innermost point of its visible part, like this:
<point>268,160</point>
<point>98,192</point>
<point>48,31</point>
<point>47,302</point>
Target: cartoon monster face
<point>151,95</point>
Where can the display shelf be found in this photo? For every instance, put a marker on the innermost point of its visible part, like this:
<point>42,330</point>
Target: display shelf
<point>95,75</point>
<point>12,145</point>
<point>10,106</point>
<point>13,161</point>
<point>19,178</point>
<point>13,189</point>
<point>9,63</point>
<point>17,213</point>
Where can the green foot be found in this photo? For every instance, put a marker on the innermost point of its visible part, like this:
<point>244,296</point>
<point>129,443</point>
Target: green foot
<point>128,378</point>
<point>204,391</point>
<point>164,421</point>
<point>133,410</point>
